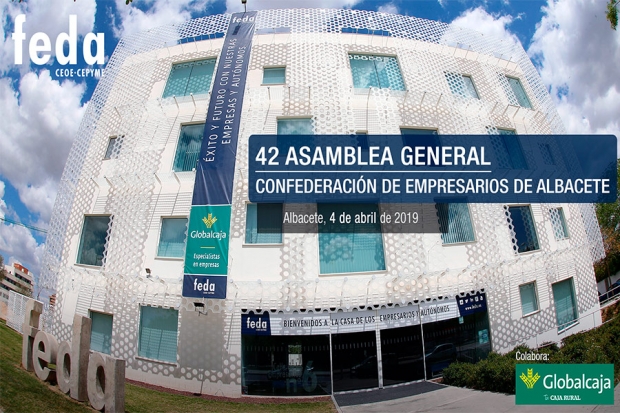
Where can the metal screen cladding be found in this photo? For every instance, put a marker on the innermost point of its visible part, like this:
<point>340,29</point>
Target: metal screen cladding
<point>139,187</point>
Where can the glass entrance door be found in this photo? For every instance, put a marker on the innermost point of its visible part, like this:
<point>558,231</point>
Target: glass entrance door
<point>354,361</point>
<point>402,355</point>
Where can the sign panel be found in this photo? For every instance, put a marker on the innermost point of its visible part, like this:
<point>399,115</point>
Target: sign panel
<point>207,248</point>
<point>395,169</point>
<point>206,252</point>
<point>472,303</point>
<point>208,233</point>
<point>438,310</point>
<point>398,317</point>
<point>300,324</point>
<point>353,321</point>
<point>216,165</point>
<point>564,384</point>
<point>297,324</point>
<point>256,324</point>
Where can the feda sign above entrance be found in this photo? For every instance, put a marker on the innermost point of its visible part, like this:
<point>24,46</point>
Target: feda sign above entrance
<point>310,323</point>
<point>84,375</point>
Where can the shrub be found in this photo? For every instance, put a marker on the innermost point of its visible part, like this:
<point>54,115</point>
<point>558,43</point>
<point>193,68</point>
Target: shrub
<point>496,373</point>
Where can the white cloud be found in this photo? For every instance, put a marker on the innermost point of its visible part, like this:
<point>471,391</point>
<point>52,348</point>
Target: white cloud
<point>388,8</point>
<point>3,208</point>
<point>48,16</point>
<point>489,24</point>
<point>578,55</point>
<point>19,245</point>
<point>236,6</point>
<point>158,13</point>
<point>17,242</point>
<point>44,117</point>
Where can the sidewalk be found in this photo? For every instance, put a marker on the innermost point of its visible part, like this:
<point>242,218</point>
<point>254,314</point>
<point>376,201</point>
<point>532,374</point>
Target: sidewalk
<point>456,399</point>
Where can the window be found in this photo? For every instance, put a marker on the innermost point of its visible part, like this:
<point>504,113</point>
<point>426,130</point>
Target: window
<point>191,77</point>
<point>565,308</point>
<point>519,93</point>
<point>529,302</point>
<point>274,75</point>
<point>188,148</point>
<point>455,223</point>
<point>93,240</point>
<point>269,218</point>
<point>101,332</point>
<point>416,131</point>
<point>462,85</point>
<point>172,237</point>
<point>509,151</point>
<point>295,126</point>
<point>558,222</point>
<point>376,71</point>
<point>352,247</point>
<point>114,146</point>
<point>420,137</point>
<point>158,333</point>
<point>523,228</point>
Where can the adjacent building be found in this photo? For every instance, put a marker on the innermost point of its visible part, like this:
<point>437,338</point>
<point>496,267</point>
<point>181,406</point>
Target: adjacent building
<point>314,313</point>
<point>17,278</point>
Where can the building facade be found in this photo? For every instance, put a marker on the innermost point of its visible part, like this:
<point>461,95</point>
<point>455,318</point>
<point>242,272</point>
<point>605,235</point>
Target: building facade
<point>17,279</point>
<point>309,314</point>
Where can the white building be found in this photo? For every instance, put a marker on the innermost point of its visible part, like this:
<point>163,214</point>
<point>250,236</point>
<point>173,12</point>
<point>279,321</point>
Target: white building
<point>17,279</point>
<point>343,313</point>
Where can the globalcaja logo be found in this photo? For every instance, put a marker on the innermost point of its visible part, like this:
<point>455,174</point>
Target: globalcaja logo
<point>564,384</point>
<point>209,220</point>
<point>529,380</point>
<point>65,47</point>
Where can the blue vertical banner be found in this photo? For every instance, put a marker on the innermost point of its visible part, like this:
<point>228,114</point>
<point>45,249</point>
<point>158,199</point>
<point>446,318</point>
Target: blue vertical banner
<point>215,170</point>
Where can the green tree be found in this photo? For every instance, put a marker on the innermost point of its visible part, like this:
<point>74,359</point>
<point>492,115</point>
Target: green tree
<point>2,270</point>
<point>609,220</point>
<point>612,13</point>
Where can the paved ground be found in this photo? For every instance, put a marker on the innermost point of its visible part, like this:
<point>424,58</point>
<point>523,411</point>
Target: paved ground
<point>430,397</point>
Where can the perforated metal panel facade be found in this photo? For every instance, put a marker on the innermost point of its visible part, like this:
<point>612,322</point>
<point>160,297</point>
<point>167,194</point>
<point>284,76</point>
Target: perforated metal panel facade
<point>137,187</point>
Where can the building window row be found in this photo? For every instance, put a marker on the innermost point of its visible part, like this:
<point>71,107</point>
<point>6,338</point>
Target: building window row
<point>157,337</point>
<point>159,327</point>
<point>190,78</point>
<point>367,70</point>
<point>341,251</point>
<point>564,297</point>
<point>505,142</point>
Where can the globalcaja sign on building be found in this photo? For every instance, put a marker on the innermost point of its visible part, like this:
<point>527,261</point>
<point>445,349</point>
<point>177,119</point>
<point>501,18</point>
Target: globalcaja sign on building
<point>564,384</point>
<point>206,253</point>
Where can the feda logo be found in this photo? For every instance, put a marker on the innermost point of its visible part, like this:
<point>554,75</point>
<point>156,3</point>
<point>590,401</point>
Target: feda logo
<point>256,324</point>
<point>40,45</point>
<point>243,19</point>
<point>205,286</point>
<point>529,380</point>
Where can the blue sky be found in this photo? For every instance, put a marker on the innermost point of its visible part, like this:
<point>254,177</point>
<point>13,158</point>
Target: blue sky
<point>570,42</point>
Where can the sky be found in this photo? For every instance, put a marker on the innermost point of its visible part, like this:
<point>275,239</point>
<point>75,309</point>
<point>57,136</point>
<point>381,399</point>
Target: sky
<point>571,44</point>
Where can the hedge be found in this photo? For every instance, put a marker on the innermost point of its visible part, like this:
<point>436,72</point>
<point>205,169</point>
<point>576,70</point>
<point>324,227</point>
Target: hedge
<point>496,373</point>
